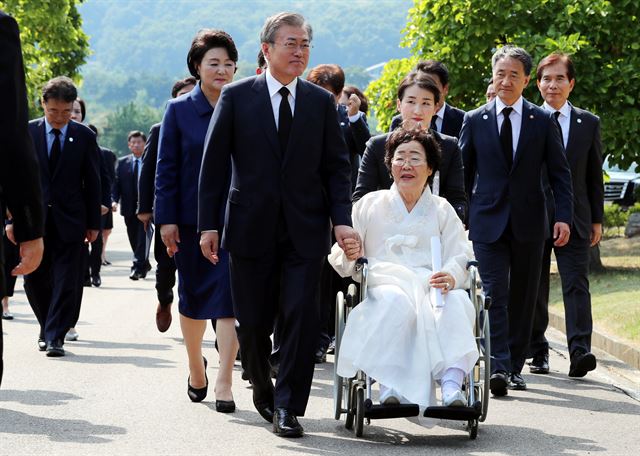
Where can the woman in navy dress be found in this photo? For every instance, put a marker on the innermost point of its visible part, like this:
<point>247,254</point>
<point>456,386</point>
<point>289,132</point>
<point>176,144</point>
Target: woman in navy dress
<point>203,289</point>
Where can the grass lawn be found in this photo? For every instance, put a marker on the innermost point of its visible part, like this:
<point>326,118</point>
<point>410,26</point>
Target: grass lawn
<point>615,293</point>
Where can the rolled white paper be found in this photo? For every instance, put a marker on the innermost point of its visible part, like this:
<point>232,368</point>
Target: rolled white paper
<point>436,264</point>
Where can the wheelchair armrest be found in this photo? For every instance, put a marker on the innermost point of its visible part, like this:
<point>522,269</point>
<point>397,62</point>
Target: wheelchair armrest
<point>473,263</point>
<point>362,260</point>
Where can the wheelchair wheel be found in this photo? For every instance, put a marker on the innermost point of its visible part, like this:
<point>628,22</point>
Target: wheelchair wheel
<point>351,413</point>
<point>338,381</point>
<point>359,396</point>
<point>473,429</point>
<point>485,354</point>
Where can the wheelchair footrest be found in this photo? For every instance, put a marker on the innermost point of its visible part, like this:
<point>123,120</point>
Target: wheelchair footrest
<point>381,411</point>
<point>454,413</point>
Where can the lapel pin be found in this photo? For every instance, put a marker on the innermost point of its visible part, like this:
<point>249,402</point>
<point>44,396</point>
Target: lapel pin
<point>70,139</point>
<point>342,124</point>
<point>485,117</point>
<point>531,116</point>
<point>579,120</point>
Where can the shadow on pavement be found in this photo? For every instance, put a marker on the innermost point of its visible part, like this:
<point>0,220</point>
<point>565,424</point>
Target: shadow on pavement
<point>138,361</point>
<point>57,430</point>
<point>85,343</point>
<point>37,397</point>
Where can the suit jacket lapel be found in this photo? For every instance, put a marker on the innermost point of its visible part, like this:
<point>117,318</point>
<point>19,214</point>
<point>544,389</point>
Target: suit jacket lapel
<point>299,116</point>
<point>264,111</point>
<point>40,143</point>
<point>489,116</point>
<point>574,132</point>
<point>66,148</point>
<point>526,130</point>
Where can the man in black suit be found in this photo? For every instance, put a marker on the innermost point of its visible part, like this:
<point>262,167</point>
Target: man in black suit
<point>447,119</point>
<point>583,149</point>
<point>417,105</point>
<point>505,145</point>
<point>125,193</point>
<point>20,191</point>
<point>289,183</point>
<point>166,267</point>
<point>70,178</point>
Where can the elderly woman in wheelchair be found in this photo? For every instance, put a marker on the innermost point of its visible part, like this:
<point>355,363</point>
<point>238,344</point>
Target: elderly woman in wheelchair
<point>402,335</point>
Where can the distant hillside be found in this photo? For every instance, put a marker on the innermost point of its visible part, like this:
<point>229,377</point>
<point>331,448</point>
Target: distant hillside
<point>140,47</point>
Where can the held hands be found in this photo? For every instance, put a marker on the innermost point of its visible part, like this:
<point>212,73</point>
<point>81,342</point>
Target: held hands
<point>170,238</point>
<point>30,257</point>
<point>561,232</point>
<point>442,280</point>
<point>353,249</point>
<point>209,245</point>
<point>596,233</point>
<point>343,232</point>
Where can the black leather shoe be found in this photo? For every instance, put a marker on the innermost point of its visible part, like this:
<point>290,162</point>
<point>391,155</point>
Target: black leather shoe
<point>264,406</point>
<point>135,275</point>
<point>581,363</point>
<point>285,423</point>
<point>225,406</point>
<point>198,394</point>
<point>42,345</point>
<point>321,355</point>
<point>54,349</point>
<point>96,281</point>
<point>517,382</point>
<point>539,364</point>
<point>498,383</point>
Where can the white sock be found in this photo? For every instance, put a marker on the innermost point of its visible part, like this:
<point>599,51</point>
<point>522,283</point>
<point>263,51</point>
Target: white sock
<point>452,381</point>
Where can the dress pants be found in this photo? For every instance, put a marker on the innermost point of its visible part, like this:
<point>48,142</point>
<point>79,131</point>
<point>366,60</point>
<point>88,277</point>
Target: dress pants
<point>573,265</point>
<point>93,258</point>
<point>140,241</point>
<point>165,271</point>
<point>510,272</point>
<point>52,289</point>
<point>281,286</point>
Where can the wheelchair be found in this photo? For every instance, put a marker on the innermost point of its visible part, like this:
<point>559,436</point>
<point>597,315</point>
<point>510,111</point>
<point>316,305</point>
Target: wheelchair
<point>352,396</point>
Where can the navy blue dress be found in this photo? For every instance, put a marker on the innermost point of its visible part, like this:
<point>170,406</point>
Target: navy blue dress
<point>203,289</point>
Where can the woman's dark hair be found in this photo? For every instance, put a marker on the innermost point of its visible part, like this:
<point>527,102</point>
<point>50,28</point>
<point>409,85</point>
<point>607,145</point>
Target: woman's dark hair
<point>353,90</point>
<point>181,84</point>
<point>422,80</point>
<point>207,39</point>
<point>328,76</point>
<point>83,108</point>
<point>424,137</point>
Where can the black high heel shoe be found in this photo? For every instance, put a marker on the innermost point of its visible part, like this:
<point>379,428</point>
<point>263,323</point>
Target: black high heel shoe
<point>198,394</point>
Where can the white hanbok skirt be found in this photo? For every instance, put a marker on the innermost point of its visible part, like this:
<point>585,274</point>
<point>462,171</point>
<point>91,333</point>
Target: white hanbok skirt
<point>396,337</point>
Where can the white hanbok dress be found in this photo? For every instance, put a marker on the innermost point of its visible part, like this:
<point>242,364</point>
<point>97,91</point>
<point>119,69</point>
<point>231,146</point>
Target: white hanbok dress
<point>395,335</point>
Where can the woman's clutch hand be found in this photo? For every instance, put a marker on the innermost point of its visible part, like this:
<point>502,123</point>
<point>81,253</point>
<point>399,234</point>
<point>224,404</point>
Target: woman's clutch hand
<point>442,280</point>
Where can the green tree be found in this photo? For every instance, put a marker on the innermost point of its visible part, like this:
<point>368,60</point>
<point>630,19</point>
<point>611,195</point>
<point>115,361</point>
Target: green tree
<point>131,116</point>
<point>601,36</point>
<point>53,43</point>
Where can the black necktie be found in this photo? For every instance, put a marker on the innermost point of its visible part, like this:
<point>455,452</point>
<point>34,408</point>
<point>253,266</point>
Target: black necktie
<point>56,150</point>
<point>136,167</point>
<point>434,125</point>
<point>505,137</point>
<point>285,119</point>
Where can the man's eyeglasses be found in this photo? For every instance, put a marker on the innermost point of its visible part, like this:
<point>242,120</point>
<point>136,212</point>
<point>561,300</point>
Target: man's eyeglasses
<point>293,46</point>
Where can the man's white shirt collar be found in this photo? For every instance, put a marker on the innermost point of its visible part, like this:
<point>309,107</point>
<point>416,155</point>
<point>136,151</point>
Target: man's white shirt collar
<point>441,111</point>
<point>274,85</point>
<point>565,110</point>
<point>48,128</point>
<point>517,106</point>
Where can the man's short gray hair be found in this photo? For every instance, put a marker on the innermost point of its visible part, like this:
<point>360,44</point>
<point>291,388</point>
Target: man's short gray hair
<point>515,53</point>
<point>273,23</point>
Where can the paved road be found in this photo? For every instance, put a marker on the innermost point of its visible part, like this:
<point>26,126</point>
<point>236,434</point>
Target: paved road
<point>121,389</point>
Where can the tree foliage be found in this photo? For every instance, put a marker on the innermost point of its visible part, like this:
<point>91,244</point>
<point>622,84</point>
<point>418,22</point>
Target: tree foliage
<point>134,115</point>
<point>53,43</point>
<point>601,36</point>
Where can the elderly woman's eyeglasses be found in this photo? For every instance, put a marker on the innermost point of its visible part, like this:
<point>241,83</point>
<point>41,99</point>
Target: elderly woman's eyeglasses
<point>411,161</point>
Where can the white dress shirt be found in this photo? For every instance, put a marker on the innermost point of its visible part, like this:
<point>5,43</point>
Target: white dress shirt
<point>515,117</point>
<point>439,117</point>
<point>274,86</point>
<point>564,119</point>
<point>50,136</point>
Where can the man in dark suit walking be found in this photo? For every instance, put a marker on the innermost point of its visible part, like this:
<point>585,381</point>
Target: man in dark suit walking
<point>505,145</point>
<point>166,266</point>
<point>289,184</point>
<point>125,192</point>
<point>583,149</point>
<point>70,178</point>
<point>447,119</point>
<point>20,191</point>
